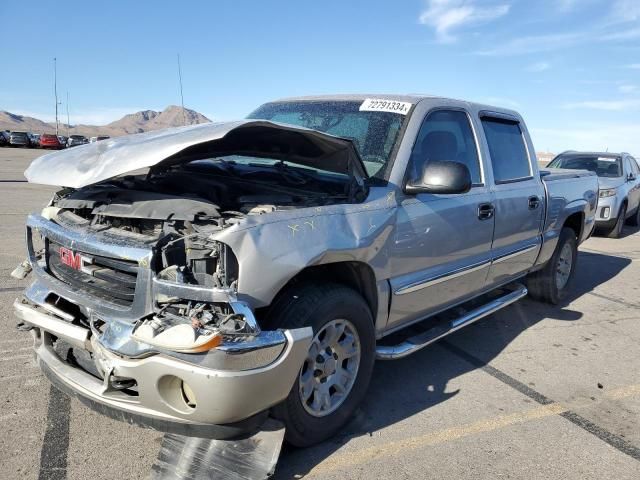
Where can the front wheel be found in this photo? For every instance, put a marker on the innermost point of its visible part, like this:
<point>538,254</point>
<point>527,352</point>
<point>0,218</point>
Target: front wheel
<point>551,284</point>
<point>335,375</point>
<point>617,230</point>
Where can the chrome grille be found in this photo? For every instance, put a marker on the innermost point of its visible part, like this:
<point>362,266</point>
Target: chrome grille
<point>111,279</point>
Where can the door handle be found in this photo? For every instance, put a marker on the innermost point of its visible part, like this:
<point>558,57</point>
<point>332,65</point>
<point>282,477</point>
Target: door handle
<point>534,202</point>
<point>486,211</point>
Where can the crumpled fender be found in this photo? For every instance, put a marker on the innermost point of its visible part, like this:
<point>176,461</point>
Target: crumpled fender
<point>273,248</point>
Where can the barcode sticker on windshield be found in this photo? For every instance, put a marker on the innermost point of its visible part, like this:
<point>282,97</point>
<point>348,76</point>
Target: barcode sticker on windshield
<point>381,105</point>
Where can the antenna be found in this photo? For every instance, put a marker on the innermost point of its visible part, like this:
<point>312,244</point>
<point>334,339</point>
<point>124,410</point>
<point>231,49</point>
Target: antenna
<point>67,114</point>
<point>55,88</point>
<point>184,118</point>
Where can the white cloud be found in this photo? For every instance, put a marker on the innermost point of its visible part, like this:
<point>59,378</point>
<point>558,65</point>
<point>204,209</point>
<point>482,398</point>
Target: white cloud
<point>608,105</point>
<point>534,44</point>
<point>623,35</point>
<point>538,67</point>
<point>635,66</point>
<point>566,5</point>
<point>448,15</point>
<point>626,10</point>
<point>627,88</point>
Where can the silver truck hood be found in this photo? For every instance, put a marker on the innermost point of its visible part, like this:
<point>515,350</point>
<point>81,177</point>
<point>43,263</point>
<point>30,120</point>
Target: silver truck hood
<point>87,164</point>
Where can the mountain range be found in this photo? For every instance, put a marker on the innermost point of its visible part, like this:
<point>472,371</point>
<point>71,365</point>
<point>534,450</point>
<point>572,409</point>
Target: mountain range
<point>143,121</point>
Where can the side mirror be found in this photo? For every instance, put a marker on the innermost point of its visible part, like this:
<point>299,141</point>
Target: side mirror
<point>441,177</point>
<point>631,177</point>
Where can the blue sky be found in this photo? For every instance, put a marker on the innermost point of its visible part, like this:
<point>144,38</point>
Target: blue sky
<point>571,67</point>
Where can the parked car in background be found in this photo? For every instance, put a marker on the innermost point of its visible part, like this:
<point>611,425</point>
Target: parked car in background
<point>75,140</point>
<point>34,138</point>
<point>19,139</point>
<point>99,138</point>
<point>63,140</point>
<point>619,183</point>
<point>4,138</point>
<point>48,140</point>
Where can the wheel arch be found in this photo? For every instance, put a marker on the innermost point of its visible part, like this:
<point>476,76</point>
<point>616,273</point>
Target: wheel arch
<point>575,222</point>
<point>354,274</point>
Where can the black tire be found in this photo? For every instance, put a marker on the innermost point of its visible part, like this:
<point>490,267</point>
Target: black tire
<point>618,229</point>
<point>635,219</point>
<point>542,285</point>
<point>315,306</point>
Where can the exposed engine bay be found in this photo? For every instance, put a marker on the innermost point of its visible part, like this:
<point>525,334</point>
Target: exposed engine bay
<point>177,210</point>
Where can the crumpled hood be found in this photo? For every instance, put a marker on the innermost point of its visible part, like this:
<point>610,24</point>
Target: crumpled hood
<point>608,182</point>
<point>87,164</point>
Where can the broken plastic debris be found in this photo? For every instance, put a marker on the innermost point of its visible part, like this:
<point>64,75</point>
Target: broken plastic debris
<point>251,458</point>
<point>22,270</point>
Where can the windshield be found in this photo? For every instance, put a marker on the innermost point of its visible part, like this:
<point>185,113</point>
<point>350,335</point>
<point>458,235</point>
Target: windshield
<point>373,134</point>
<point>603,166</point>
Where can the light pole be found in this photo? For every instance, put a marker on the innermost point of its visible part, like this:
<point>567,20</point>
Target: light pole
<point>184,117</point>
<point>55,88</point>
<point>67,114</point>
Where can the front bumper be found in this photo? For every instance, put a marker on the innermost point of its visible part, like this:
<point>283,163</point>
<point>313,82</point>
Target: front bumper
<point>233,384</point>
<point>607,212</point>
<point>228,403</point>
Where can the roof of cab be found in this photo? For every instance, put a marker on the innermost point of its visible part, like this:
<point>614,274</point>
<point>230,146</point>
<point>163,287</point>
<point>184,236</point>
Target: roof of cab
<point>411,98</point>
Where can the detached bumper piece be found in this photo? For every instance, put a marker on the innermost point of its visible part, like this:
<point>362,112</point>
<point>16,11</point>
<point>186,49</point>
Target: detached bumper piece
<point>221,394</point>
<point>252,458</point>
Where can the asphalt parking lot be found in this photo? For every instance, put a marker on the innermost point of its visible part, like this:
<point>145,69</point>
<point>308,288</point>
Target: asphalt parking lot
<point>532,392</point>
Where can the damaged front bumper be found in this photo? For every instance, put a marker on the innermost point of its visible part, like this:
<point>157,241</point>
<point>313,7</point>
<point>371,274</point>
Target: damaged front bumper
<point>222,393</point>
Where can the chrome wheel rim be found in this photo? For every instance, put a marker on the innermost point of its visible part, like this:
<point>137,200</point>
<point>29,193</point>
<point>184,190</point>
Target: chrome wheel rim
<point>330,369</point>
<point>563,267</point>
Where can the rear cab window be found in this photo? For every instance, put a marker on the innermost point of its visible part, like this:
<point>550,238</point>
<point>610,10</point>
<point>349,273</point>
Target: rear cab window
<point>509,155</point>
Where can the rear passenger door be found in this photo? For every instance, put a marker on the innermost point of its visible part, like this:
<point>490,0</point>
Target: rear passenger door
<point>519,198</point>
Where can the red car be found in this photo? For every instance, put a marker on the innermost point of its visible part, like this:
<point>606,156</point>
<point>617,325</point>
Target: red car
<point>50,141</point>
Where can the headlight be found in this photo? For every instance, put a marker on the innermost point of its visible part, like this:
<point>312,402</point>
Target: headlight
<point>607,192</point>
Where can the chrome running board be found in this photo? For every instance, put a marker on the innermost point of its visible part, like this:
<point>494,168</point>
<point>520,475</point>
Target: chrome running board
<point>418,342</point>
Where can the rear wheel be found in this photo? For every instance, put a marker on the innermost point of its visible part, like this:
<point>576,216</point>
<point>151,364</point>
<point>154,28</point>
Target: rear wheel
<point>551,283</point>
<point>335,375</point>
<point>616,231</point>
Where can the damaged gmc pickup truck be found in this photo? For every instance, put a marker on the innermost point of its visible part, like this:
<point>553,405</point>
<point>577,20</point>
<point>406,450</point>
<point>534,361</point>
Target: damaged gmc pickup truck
<point>196,280</point>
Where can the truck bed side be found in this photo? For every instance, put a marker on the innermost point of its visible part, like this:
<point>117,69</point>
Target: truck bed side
<point>571,199</point>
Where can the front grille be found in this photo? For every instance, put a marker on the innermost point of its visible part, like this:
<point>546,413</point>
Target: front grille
<point>110,279</point>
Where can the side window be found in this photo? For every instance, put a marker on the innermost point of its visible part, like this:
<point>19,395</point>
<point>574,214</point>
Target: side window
<point>634,166</point>
<point>445,135</point>
<point>509,157</point>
